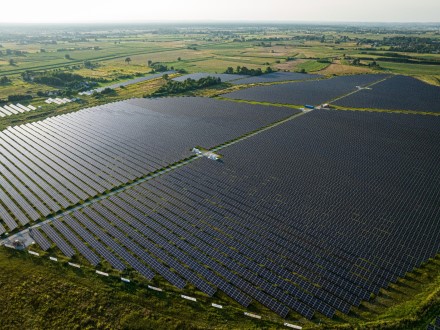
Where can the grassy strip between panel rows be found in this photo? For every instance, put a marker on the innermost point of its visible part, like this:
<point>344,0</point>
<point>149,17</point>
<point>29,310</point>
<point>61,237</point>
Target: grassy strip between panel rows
<point>406,112</point>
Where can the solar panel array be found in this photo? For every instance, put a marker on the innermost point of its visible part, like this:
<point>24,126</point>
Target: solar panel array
<point>312,216</point>
<point>52,164</point>
<point>305,92</point>
<point>396,93</point>
<point>11,109</point>
<point>275,77</point>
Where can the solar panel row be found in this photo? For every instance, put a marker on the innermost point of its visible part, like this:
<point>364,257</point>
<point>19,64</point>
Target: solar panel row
<point>11,109</point>
<point>40,239</point>
<point>76,242</point>
<point>116,263</point>
<point>60,242</point>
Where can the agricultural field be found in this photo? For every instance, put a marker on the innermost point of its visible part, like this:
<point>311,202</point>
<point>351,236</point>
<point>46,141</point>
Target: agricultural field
<point>101,54</point>
<point>126,83</point>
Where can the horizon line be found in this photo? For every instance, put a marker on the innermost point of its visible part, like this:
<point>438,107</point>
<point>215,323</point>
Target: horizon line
<point>244,21</point>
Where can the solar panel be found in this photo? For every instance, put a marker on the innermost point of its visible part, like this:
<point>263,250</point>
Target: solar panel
<point>4,112</point>
<point>2,229</point>
<point>116,263</point>
<point>119,249</point>
<point>39,238</point>
<point>11,109</point>
<point>22,107</point>
<point>14,209</point>
<point>72,238</point>
<point>61,243</point>
<point>19,168</point>
<point>25,191</point>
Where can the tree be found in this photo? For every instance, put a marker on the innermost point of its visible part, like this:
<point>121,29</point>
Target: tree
<point>356,61</point>
<point>67,57</point>
<point>165,76</point>
<point>229,70</point>
<point>179,58</point>
<point>128,60</point>
<point>4,80</point>
<point>11,61</point>
<point>150,62</point>
<point>268,70</point>
<point>88,64</point>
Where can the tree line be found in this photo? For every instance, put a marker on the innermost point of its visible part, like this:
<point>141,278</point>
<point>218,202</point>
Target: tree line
<point>177,87</point>
<point>242,70</point>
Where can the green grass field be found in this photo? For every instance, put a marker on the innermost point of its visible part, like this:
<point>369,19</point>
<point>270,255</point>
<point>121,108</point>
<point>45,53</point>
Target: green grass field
<point>312,66</point>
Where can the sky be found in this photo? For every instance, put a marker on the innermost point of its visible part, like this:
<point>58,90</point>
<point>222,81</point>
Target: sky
<point>98,11</point>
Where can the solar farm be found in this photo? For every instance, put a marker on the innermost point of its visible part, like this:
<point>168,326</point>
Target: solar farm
<point>305,92</point>
<point>308,213</point>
